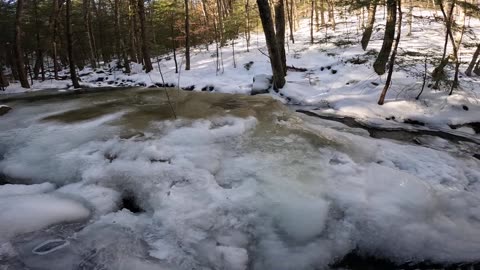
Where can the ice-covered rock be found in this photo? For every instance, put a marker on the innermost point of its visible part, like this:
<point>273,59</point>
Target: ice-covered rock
<point>261,84</point>
<point>4,109</point>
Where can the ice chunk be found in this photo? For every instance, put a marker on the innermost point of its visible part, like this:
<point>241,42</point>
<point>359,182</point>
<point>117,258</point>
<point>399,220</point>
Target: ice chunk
<point>28,213</point>
<point>261,84</point>
<point>15,190</point>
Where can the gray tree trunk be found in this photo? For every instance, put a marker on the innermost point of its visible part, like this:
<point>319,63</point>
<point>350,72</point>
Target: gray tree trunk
<point>71,61</point>
<point>147,62</point>
<point>381,100</point>
<point>382,58</point>
<point>367,33</point>
<point>19,55</point>
<point>88,34</point>
<point>187,37</point>
<point>272,44</point>
<point>280,32</point>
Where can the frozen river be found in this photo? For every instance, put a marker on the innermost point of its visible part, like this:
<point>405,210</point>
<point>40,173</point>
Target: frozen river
<point>111,180</point>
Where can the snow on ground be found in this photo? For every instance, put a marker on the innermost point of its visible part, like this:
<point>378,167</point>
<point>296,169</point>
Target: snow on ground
<point>332,82</point>
<point>223,192</point>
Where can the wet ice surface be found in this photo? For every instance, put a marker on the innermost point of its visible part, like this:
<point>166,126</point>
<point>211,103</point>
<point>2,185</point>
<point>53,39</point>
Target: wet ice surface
<point>236,182</point>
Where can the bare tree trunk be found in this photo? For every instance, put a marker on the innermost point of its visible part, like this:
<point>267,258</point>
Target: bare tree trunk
<point>476,70</point>
<point>19,55</point>
<point>145,48</point>
<point>317,17</point>
<point>272,44</point>
<point>187,37</point>
<point>280,32</point>
<point>311,20</point>
<point>131,32</point>
<point>3,81</point>
<point>53,30</point>
<point>119,37</point>
<point>68,27</point>
<point>220,22</point>
<point>394,54</point>
<point>367,33</point>
<point>290,18</point>
<point>88,34</point>
<point>322,12</point>
<point>247,23</point>
<point>382,58</point>
<point>39,66</point>
<point>469,70</point>
<point>410,18</point>
<point>331,13</point>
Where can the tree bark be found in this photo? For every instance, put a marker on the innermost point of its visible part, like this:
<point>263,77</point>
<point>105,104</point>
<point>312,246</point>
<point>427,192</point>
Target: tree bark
<point>322,12</point>
<point>71,61</point>
<point>290,19</point>
<point>272,44</point>
<point>394,54</point>
<point>280,32</point>
<point>247,23</point>
<point>131,32</point>
<point>88,32</point>
<point>410,18</point>
<point>3,80</point>
<point>145,48</point>
<point>367,33</point>
<point>119,37</point>
<point>383,56</point>
<point>187,37</point>
<point>53,36</point>
<point>19,55</point>
<point>311,20</point>
<point>469,70</point>
<point>39,66</point>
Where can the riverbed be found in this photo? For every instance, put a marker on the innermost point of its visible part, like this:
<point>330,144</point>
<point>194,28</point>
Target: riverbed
<point>166,179</point>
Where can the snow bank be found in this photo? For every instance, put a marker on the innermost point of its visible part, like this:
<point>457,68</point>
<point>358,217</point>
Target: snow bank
<point>339,77</point>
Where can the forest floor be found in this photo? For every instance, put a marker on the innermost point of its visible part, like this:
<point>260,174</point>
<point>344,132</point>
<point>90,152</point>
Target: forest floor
<point>338,77</point>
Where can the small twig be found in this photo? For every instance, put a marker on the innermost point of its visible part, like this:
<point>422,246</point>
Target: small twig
<point>165,88</point>
<point>424,79</point>
<point>264,53</point>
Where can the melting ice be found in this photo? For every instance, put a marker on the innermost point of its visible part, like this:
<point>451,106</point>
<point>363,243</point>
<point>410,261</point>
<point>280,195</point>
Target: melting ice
<point>235,183</point>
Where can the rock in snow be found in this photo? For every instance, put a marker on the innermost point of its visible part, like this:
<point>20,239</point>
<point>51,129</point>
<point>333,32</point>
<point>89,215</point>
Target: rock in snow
<point>261,84</point>
<point>4,109</point>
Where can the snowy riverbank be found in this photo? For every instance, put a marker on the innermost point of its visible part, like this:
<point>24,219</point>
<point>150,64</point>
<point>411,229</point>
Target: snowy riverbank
<point>339,78</point>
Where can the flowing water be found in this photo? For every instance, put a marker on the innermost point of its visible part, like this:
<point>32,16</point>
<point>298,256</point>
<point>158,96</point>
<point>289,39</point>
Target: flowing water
<point>112,180</point>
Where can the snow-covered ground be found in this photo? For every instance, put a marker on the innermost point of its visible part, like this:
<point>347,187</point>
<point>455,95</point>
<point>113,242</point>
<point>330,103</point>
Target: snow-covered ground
<point>332,83</point>
<point>242,183</point>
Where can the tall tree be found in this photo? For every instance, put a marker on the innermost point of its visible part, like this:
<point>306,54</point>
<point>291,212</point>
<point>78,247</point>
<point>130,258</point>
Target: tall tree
<point>469,70</point>
<point>88,32</point>
<point>39,61</point>
<point>367,33</point>
<point>384,54</point>
<point>311,20</point>
<point>71,61</point>
<point>18,50</point>
<point>272,44</point>
<point>53,29</point>
<point>145,48</point>
<point>187,37</point>
<point>280,32</point>
<point>123,51</point>
<point>388,82</point>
